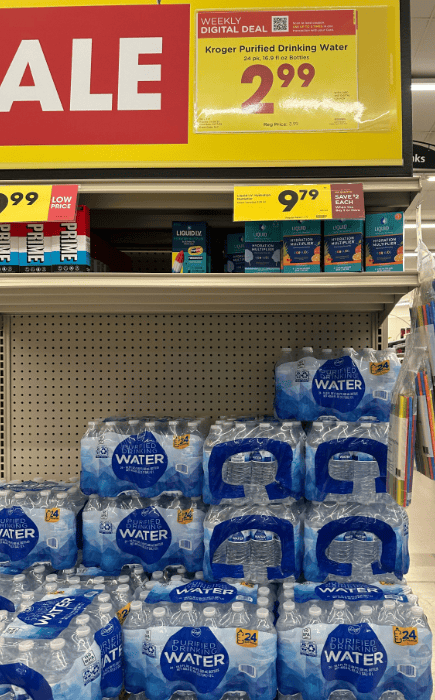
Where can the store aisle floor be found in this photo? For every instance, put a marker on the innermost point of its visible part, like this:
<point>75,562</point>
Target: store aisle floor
<point>421,576</point>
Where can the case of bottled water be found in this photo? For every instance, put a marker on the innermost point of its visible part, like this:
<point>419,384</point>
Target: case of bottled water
<point>254,542</point>
<point>39,521</point>
<point>64,643</point>
<point>375,649</point>
<point>346,462</point>
<point>201,651</point>
<point>153,532</point>
<point>347,383</point>
<point>149,456</point>
<point>354,539</point>
<point>257,460</point>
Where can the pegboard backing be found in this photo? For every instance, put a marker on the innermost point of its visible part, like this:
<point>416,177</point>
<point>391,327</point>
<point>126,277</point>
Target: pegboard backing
<point>66,369</point>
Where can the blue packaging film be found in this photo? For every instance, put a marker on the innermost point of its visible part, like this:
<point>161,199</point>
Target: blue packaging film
<point>95,673</point>
<point>150,463</point>
<point>355,384</point>
<point>364,659</point>
<point>29,535</point>
<point>349,591</point>
<point>288,481</point>
<point>154,534</point>
<point>209,662</point>
<point>203,592</point>
<point>234,528</point>
<point>349,464</point>
<point>334,531</point>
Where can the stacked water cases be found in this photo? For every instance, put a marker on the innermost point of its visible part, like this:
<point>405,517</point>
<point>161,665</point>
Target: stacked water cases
<point>353,641</point>
<point>149,456</point>
<point>253,476</point>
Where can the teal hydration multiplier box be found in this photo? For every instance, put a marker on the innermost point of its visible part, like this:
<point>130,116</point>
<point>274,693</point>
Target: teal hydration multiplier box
<point>301,246</point>
<point>343,245</point>
<point>190,247</point>
<point>384,242</point>
<point>263,243</point>
<point>235,252</point>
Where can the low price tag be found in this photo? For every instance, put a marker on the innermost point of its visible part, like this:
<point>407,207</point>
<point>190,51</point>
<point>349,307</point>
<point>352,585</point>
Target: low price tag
<point>38,203</point>
<point>300,202</point>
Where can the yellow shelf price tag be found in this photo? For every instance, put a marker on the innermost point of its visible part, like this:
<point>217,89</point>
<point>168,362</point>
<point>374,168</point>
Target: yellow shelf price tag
<point>30,203</point>
<point>300,202</point>
<point>24,203</point>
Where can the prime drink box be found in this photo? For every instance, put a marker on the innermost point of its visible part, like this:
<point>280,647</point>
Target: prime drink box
<point>9,261</point>
<point>263,243</point>
<point>190,246</point>
<point>71,244</point>
<point>301,246</point>
<point>34,245</point>
<point>384,242</point>
<point>343,240</point>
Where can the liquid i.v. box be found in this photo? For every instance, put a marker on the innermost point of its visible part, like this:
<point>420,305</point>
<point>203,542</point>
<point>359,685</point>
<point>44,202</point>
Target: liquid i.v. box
<point>301,246</point>
<point>384,242</point>
<point>235,252</point>
<point>190,247</point>
<point>263,243</point>
<point>343,240</point>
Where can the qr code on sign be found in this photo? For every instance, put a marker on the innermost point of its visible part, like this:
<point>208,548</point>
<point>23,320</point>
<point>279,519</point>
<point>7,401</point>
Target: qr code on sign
<point>279,24</point>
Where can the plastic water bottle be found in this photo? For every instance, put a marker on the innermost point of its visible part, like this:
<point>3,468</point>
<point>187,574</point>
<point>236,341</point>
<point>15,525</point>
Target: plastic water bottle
<point>209,618</point>
<point>388,614</point>
<point>339,614</point>
<point>263,463</point>
<point>314,615</point>
<point>237,616</point>
<point>238,550</point>
<point>289,617</point>
<point>57,663</point>
<point>341,549</point>
<point>416,617</point>
<point>365,614</point>
<point>185,616</point>
<point>342,695</point>
<point>392,695</point>
<point>263,548</point>
<point>366,549</point>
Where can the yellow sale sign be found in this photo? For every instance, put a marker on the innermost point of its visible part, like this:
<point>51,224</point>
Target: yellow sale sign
<point>277,71</point>
<point>113,84</point>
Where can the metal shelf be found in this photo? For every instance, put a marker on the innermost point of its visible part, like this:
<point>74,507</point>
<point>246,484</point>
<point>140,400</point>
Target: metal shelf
<point>211,293</point>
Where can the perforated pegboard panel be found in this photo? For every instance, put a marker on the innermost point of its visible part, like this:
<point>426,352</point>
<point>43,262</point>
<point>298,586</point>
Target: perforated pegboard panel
<point>68,369</point>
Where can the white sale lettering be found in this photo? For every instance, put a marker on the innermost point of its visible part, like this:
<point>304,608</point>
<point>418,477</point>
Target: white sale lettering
<point>130,74</point>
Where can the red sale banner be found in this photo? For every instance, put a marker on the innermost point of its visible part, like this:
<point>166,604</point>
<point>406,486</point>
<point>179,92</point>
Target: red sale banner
<point>94,75</point>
